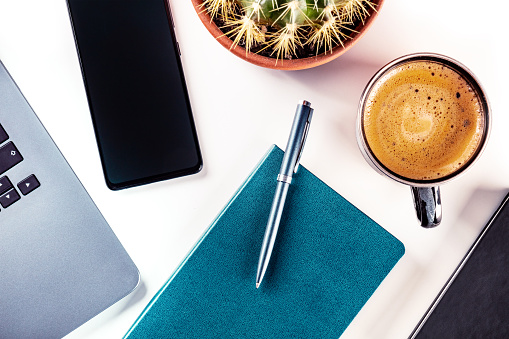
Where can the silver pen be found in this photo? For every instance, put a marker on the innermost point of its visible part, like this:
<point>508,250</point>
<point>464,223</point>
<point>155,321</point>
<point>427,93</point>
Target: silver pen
<point>289,166</point>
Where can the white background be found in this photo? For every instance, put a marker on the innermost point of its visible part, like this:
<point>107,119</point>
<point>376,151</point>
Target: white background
<point>241,109</point>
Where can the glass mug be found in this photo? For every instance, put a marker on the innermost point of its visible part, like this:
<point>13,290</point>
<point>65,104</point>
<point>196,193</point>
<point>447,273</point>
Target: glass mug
<point>423,120</point>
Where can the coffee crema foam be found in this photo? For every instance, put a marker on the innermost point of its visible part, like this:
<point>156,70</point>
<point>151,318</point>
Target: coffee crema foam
<point>423,120</point>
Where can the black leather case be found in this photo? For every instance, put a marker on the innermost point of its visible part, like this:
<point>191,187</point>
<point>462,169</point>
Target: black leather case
<point>475,301</point>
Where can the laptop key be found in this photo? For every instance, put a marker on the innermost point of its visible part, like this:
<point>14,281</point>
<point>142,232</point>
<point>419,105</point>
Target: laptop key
<point>28,184</point>
<point>9,157</point>
<point>9,198</point>
<point>3,135</point>
<point>5,185</point>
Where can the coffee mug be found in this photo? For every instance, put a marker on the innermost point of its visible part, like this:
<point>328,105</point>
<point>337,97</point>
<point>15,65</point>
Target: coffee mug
<point>423,120</point>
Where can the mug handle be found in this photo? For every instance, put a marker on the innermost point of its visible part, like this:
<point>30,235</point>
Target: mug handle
<point>428,205</point>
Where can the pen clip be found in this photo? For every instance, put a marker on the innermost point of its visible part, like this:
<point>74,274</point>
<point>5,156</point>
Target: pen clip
<point>303,140</point>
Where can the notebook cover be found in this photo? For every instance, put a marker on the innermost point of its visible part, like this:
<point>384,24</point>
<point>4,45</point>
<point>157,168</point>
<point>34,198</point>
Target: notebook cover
<point>328,260</point>
<point>475,301</point>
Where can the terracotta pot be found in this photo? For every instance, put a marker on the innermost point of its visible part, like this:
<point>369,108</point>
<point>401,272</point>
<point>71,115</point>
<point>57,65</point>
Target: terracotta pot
<point>294,64</point>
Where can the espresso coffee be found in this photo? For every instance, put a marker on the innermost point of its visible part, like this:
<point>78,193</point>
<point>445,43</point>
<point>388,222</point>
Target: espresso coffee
<point>423,120</point>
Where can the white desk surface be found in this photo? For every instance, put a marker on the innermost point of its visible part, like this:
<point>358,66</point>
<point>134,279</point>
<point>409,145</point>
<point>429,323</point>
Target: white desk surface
<point>241,109</point>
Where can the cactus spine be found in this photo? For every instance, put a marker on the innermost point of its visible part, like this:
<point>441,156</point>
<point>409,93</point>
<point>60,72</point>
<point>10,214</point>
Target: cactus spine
<point>282,26</point>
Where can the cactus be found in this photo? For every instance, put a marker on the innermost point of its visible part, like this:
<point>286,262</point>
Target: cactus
<point>283,26</point>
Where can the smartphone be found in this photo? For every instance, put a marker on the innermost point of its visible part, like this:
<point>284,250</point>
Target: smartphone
<point>131,67</point>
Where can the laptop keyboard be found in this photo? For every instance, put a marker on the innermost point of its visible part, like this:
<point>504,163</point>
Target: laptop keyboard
<point>10,157</point>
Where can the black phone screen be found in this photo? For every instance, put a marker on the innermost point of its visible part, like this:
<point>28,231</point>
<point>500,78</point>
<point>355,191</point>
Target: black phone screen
<point>136,90</point>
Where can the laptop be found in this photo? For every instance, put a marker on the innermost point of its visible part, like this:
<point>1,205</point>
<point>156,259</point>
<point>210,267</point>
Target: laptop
<point>60,262</point>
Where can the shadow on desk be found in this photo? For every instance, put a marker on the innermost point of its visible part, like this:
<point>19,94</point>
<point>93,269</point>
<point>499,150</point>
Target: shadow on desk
<point>482,198</point>
<point>135,297</point>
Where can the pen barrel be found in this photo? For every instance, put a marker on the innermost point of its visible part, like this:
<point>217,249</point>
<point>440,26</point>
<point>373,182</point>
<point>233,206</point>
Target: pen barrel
<point>269,238</point>
<point>289,165</point>
<point>295,143</point>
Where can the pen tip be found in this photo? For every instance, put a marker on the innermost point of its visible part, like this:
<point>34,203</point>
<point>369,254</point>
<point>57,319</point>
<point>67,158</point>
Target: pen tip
<point>257,285</point>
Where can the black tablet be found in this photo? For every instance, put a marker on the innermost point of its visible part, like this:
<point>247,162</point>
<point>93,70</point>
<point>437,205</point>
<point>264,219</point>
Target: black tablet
<point>475,301</point>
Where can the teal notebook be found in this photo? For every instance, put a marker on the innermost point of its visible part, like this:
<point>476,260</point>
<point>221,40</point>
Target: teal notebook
<point>328,259</point>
